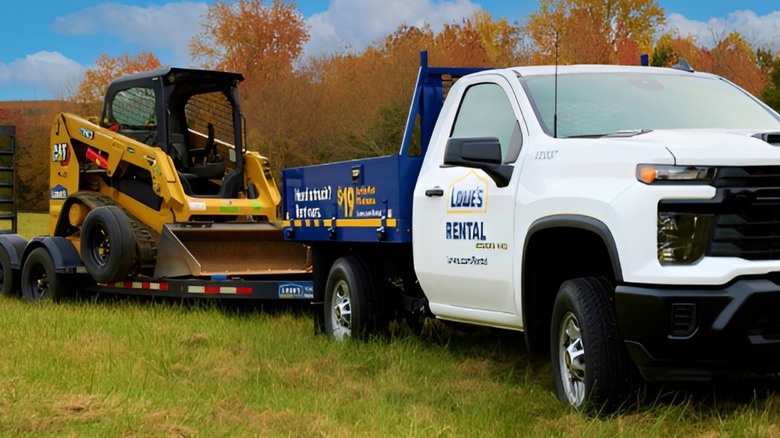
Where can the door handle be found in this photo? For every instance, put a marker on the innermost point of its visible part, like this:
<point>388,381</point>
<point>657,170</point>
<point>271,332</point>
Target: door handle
<point>436,191</point>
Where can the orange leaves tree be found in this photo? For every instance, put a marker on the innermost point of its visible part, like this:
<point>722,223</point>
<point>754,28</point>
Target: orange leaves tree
<point>263,42</point>
<point>90,91</point>
<point>732,57</point>
<point>251,38</point>
<point>771,67</point>
<point>593,31</point>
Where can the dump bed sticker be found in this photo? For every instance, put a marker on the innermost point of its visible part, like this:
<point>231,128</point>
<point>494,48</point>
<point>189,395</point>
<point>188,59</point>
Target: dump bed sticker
<point>351,198</point>
<point>60,154</point>
<point>58,192</point>
<point>467,195</point>
<point>296,290</point>
<point>310,194</point>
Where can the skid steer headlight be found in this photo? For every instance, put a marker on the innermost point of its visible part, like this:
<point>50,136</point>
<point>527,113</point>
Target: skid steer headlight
<point>682,237</point>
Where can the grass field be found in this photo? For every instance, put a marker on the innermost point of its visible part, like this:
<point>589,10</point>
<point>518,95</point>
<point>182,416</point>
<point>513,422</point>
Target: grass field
<point>106,366</point>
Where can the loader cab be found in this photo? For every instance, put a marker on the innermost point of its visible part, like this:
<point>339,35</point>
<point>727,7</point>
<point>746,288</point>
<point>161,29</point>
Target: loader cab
<point>193,115</point>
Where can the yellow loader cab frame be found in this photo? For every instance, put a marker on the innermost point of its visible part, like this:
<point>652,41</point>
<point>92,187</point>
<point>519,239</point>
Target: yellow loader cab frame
<point>163,186</point>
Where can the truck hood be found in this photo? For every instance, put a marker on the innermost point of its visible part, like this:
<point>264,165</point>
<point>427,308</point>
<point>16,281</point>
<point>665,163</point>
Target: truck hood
<point>718,147</point>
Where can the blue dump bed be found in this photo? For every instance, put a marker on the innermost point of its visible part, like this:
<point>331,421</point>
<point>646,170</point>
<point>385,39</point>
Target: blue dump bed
<point>367,200</point>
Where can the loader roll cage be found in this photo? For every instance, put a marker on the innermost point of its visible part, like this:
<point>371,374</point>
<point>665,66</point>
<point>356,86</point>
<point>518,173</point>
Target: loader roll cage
<point>193,115</point>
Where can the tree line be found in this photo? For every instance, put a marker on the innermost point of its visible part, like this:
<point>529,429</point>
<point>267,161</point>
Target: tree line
<point>352,103</point>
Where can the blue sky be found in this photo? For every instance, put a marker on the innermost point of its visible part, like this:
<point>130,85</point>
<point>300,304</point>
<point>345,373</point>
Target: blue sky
<point>53,42</point>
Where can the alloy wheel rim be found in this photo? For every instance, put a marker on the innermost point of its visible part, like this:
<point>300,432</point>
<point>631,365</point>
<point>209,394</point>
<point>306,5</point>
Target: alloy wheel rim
<point>571,352</point>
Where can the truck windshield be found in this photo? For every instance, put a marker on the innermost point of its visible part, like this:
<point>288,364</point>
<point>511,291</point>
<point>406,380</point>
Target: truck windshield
<point>597,104</point>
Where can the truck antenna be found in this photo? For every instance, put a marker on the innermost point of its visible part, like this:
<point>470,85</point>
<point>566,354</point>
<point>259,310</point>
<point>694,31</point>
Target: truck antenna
<point>555,108</point>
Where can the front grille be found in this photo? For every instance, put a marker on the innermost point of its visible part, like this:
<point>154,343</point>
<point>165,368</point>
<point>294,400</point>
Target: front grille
<point>747,213</point>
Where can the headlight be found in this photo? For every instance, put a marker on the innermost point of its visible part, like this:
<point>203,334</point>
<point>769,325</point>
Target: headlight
<point>655,174</point>
<point>682,237</point>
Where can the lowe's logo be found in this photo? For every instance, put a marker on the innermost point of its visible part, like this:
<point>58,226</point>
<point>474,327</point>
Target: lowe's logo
<point>467,195</point>
<point>293,290</point>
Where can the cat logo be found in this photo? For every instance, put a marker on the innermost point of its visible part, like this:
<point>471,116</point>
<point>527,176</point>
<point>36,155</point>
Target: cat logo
<point>60,153</point>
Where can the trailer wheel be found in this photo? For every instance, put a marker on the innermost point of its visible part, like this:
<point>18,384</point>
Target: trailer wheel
<point>39,280</point>
<point>7,285</point>
<point>107,244</point>
<point>348,296</point>
<point>589,362</point>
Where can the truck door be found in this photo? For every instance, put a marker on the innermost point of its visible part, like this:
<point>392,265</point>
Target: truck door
<point>463,222</point>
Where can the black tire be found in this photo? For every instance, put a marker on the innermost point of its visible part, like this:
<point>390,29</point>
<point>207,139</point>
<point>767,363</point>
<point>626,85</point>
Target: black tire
<point>590,364</point>
<point>349,297</point>
<point>39,280</point>
<point>7,286</point>
<point>107,244</point>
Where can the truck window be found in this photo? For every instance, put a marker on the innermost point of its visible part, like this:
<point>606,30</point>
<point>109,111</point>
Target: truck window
<point>486,112</point>
<point>596,104</point>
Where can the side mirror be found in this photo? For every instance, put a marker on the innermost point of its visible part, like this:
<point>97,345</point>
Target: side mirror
<point>479,153</point>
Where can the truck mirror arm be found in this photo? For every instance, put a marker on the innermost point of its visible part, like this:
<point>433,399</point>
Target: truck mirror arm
<point>479,153</point>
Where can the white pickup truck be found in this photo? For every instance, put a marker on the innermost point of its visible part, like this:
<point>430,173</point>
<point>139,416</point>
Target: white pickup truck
<point>624,218</point>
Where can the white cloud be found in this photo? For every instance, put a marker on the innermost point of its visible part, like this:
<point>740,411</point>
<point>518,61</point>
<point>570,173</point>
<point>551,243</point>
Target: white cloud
<point>357,23</point>
<point>170,26</point>
<point>46,72</point>
<point>759,31</point>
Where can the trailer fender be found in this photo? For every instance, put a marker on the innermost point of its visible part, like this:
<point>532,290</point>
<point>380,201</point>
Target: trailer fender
<point>64,255</point>
<point>14,245</point>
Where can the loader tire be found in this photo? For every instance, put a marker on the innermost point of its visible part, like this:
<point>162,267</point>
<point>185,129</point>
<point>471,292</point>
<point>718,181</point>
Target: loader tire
<point>107,244</point>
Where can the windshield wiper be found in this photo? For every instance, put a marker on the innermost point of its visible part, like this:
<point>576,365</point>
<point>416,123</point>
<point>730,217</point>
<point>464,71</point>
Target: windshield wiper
<point>621,133</point>
<point>629,132</point>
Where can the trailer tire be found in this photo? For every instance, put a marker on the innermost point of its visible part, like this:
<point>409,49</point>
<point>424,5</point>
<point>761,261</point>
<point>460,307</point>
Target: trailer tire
<point>589,362</point>
<point>39,279</point>
<point>348,298</point>
<point>107,244</point>
<point>7,286</point>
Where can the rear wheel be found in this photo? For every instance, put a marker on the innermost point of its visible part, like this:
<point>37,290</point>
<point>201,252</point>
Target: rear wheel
<point>590,364</point>
<point>348,298</point>
<point>107,244</point>
<point>39,280</point>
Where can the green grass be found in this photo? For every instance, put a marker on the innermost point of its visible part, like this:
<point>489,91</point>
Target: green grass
<point>131,367</point>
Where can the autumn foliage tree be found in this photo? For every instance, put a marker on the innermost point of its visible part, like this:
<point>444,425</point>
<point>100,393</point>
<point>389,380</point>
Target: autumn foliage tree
<point>250,37</point>
<point>91,89</point>
<point>592,31</point>
<point>733,58</point>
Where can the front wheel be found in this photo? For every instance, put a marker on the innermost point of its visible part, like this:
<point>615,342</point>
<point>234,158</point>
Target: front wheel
<point>590,364</point>
<point>348,298</point>
<point>107,244</point>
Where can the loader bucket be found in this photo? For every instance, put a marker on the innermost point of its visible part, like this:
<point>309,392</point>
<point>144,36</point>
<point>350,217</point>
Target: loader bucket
<point>233,249</point>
